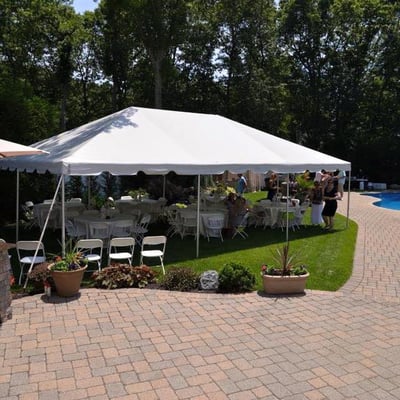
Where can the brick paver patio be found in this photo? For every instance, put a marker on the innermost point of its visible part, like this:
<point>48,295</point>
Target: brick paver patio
<point>154,344</point>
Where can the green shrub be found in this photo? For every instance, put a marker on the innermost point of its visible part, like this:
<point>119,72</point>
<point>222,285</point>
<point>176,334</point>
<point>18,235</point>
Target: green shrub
<point>235,278</point>
<point>183,279</point>
<point>123,276</point>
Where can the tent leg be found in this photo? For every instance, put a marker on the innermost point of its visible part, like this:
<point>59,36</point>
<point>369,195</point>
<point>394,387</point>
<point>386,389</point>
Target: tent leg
<point>287,208</point>
<point>198,217</point>
<point>348,199</point>
<point>17,211</point>
<point>63,214</point>
<point>43,230</point>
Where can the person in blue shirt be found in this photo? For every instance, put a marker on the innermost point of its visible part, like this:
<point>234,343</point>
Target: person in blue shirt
<point>241,185</point>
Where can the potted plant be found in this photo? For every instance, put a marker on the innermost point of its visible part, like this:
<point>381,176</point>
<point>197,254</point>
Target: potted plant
<point>303,186</point>
<point>67,272</point>
<point>288,277</point>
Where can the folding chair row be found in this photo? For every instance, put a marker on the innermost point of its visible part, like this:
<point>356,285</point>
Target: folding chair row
<point>119,249</point>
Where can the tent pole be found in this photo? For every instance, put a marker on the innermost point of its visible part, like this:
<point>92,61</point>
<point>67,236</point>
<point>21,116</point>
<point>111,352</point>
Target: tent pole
<point>348,199</point>
<point>63,214</point>
<point>17,210</point>
<point>43,231</point>
<point>164,184</point>
<point>198,217</point>
<point>88,189</point>
<point>287,209</point>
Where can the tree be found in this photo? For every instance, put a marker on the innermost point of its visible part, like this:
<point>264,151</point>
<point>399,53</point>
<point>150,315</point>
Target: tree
<point>160,26</point>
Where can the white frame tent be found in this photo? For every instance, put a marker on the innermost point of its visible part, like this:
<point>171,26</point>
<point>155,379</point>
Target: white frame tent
<point>159,141</point>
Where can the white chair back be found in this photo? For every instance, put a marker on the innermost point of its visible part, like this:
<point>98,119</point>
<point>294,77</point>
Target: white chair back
<point>92,249</point>
<point>153,247</point>
<point>121,248</point>
<point>26,255</point>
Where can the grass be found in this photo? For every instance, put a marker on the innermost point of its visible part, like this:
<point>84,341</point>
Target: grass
<point>328,255</point>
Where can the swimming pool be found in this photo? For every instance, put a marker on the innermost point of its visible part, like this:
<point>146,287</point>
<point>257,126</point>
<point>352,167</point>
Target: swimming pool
<point>386,200</point>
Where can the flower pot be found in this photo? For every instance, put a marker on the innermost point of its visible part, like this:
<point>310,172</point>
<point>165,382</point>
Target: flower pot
<point>276,284</point>
<point>67,283</point>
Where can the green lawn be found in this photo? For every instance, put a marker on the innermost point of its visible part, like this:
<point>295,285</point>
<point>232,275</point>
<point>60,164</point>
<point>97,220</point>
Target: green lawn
<point>328,255</point>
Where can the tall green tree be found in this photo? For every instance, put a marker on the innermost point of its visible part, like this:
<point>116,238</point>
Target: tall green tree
<point>160,26</point>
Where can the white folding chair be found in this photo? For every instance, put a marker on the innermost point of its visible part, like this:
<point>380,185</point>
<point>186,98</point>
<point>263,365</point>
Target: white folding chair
<point>92,249</point>
<point>189,224</point>
<point>26,255</point>
<point>121,248</point>
<point>213,227</point>
<point>174,221</point>
<point>287,220</point>
<point>122,228</point>
<point>141,228</point>
<point>241,226</point>
<point>157,249</point>
<point>99,230</point>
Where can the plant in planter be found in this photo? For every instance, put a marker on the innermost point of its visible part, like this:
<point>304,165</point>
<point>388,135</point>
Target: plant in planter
<point>289,276</point>
<point>303,186</point>
<point>67,272</point>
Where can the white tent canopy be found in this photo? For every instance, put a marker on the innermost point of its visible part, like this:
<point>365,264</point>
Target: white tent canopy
<point>159,141</point>
<point>11,149</point>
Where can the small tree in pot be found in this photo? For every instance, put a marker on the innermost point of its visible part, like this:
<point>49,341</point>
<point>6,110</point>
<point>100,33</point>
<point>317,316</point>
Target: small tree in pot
<point>289,276</point>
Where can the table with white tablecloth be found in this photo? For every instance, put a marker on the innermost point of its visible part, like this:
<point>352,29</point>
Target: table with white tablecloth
<point>88,219</point>
<point>277,211</point>
<point>204,215</point>
<point>41,210</point>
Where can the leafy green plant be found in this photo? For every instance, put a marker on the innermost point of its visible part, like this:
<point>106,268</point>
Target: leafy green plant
<point>236,278</point>
<point>123,276</point>
<point>71,261</point>
<point>287,263</point>
<point>183,279</point>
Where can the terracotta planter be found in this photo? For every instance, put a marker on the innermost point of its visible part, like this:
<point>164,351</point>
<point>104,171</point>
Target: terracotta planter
<point>284,284</point>
<point>67,283</point>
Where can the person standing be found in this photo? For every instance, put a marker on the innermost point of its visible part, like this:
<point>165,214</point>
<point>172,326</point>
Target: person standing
<point>317,204</point>
<point>272,186</point>
<point>341,179</point>
<point>330,207</point>
<point>241,185</point>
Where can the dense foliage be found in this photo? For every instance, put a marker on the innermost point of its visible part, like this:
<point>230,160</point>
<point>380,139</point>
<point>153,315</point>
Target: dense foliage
<point>183,279</point>
<point>323,73</point>
<point>236,278</point>
<point>123,276</point>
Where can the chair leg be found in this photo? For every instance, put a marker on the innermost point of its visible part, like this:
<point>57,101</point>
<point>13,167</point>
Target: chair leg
<point>162,265</point>
<point>21,273</point>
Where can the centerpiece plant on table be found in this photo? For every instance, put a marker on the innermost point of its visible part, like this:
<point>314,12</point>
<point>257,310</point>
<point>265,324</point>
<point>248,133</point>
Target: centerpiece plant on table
<point>286,275</point>
<point>67,272</point>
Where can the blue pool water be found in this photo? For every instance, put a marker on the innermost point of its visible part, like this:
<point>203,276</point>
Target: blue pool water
<point>387,200</point>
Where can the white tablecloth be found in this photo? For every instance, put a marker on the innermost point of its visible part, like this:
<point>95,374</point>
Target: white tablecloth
<point>206,214</point>
<point>87,219</point>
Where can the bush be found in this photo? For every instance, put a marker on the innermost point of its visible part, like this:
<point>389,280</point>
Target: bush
<point>123,276</point>
<point>183,279</point>
<point>40,273</point>
<point>235,278</point>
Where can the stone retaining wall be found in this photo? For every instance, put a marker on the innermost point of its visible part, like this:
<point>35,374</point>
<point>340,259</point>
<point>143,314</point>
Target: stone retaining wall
<point>5,292</point>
